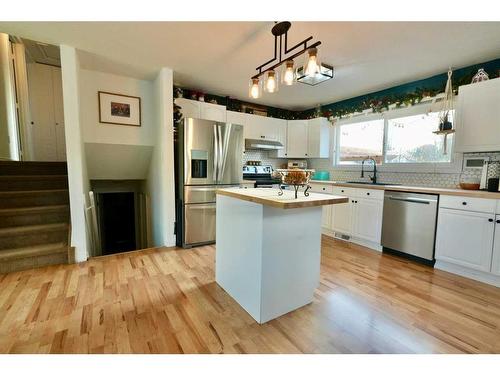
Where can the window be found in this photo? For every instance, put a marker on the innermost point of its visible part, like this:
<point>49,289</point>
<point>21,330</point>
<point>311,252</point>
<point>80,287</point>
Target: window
<point>358,140</point>
<point>403,140</point>
<point>410,140</point>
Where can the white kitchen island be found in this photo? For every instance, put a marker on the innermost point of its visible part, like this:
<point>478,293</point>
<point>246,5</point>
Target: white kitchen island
<point>268,248</point>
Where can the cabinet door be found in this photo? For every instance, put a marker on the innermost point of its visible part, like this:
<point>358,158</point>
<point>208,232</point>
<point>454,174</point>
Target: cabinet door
<point>477,114</point>
<point>253,126</point>
<point>341,217</point>
<point>495,264</point>
<point>326,218</point>
<point>297,139</point>
<point>59,113</point>
<point>465,238</point>
<point>271,128</point>
<point>318,138</point>
<point>213,112</point>
<point>367,219</point>
<point>189,108</point>
<point>280,129</point>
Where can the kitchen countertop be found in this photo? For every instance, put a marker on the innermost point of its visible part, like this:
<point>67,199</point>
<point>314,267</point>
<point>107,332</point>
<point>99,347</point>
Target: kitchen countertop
<point>270,197</point>
<point>416,189</point>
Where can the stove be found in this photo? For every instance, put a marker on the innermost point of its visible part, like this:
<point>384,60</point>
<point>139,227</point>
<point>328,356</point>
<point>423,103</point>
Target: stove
<point>262,175</point>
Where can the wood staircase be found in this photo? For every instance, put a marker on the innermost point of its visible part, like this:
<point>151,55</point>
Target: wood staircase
<point>34,215</point>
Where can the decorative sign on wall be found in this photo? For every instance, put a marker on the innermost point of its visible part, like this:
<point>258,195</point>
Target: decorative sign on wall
<point>119,109</point>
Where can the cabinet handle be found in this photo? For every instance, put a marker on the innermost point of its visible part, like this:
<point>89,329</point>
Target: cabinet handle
<point>341,191</point>
<point>367,193</point>
<point>464,203</point>
<point>324,188</point>
<point>498,221</point>
<point>490,220</point>
<point>263,136</point>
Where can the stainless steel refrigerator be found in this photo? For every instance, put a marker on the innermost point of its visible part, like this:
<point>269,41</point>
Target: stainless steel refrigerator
<point>209,156</point>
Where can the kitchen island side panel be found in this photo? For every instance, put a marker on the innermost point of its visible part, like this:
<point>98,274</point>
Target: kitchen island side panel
<point>291,252</point>
<point>238,254</point>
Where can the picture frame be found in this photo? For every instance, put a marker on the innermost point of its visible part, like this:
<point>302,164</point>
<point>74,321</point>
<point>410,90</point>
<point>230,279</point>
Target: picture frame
<point>119,109</point>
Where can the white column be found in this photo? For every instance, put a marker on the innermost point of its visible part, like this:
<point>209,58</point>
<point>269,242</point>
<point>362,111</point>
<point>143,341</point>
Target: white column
<point>75,152</point>
<point>160,182</point>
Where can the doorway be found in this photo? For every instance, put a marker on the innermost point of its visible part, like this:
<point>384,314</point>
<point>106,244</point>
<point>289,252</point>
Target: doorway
<point>117,222</point>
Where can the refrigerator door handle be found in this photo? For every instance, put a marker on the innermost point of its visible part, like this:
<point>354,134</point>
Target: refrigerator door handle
<point>216,155</point>
<point>222,153</point>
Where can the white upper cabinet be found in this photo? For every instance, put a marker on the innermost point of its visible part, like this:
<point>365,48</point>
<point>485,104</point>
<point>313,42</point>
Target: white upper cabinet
<point>297,139</point>
<point>206,111</point>
<point>213,112</point>
<point>318,138</point>
<point>478,117</point>
<point>189,108</point>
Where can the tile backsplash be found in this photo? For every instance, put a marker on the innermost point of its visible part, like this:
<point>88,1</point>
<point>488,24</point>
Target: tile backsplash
<point>441,180</point>
<point>264,157</point>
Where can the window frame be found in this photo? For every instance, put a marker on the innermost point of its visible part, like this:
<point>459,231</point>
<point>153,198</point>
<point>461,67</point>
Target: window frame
<point>454,166</point>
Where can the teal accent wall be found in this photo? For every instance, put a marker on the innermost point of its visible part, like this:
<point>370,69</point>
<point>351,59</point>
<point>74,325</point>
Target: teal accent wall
<point>408,93</point>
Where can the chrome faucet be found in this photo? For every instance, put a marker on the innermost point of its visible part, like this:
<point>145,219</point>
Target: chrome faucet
<point>374,177</point>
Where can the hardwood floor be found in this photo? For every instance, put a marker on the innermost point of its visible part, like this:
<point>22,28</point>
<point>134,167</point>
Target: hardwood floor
<point>166,301</point>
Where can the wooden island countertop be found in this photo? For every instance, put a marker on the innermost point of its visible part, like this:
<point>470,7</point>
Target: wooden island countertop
<point>270,197</point>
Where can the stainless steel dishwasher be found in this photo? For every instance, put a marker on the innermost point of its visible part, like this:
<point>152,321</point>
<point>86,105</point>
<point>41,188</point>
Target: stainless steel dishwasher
<point>409,224</point>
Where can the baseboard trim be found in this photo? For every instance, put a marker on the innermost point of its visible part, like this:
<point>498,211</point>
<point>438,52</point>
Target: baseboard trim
<point>477,275</point>
<point>357,241</point>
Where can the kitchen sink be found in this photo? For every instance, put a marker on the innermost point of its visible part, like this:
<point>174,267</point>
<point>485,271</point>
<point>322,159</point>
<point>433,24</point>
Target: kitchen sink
<point>371,183</point>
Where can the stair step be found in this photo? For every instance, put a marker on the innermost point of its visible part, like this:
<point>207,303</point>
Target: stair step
<point>21,258</point>
<point>32,182</point>
<point>32,168</point>
<point>10,217</point>
<point>12,199</point>
<point>31,251</point>
<point>29,235</point>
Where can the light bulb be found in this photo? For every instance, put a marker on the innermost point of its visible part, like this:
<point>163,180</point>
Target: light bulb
<point>312,65</point>
<point>288,74</point>
<point>271,83</point>
<point>254,88</point>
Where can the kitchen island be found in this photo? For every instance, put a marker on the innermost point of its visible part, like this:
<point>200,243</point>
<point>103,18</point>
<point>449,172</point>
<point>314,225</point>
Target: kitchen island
<point>268,248</point>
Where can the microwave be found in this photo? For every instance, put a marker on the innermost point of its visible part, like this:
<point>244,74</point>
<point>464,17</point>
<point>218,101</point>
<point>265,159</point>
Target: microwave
<point>474,162</point>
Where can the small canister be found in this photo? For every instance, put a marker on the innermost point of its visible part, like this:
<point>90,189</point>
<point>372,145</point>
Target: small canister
<point>493,184</point>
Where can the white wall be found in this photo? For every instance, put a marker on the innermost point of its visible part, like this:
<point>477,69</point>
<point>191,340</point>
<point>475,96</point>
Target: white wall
<point>77,168</point>
<point>96,132</point>
<point>160,183</point>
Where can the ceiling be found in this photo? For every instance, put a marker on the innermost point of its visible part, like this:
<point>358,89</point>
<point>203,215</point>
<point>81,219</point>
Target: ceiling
<point>219,57</point>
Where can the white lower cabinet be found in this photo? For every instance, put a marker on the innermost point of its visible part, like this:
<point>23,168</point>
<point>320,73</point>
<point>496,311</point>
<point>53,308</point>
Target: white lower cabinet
<point>367,219</point>
<point>341,217</point>
<point>495,261</point>
<point>359,220</point>
<point>326,218</point>
<point>465,238</point>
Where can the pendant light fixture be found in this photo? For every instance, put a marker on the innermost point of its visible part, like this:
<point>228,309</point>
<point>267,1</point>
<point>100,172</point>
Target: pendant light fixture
<point>311,72</point>
<point>254,88</point>
<point>271,83</point>
<point>311,63</point>
<point>288,75</point>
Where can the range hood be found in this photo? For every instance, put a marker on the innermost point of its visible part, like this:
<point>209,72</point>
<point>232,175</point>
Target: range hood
<point>262,144</point>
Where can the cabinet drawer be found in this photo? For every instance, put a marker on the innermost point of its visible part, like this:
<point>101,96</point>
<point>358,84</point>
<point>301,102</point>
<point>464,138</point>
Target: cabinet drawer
<point>370,193</point>
<point>345,191</point>
<point>321,188</point>
<point>468,204</point>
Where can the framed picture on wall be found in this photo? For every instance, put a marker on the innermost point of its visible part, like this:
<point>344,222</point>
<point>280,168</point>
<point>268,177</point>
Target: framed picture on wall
<point>119,109</point>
